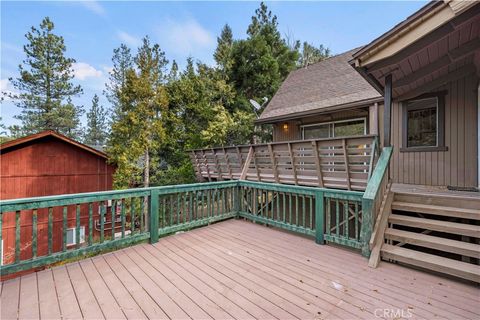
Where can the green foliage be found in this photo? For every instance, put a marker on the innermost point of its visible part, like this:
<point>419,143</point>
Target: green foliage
<point>310,54</point>
<point>44,85</point>
<point>262,61</point>
<point>224,53</point>
<point>96,133</point>
<point>138,126</point>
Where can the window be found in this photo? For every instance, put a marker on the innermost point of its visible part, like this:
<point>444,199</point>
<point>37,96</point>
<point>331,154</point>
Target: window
<point>71,236</point>
<point>423,123</point>
<point>343,128</point>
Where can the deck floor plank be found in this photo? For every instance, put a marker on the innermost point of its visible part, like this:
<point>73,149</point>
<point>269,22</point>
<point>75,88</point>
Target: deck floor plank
<point>295,306</point>
<point>169,306</point>
<point>106,301</point>
<point>196,296</point>
<point>148,305</point>
<point>233,270</point>
<point>67,300</point>
<point>10,299</point>
<point>48,299</point>
<point>28,306</point>
<point>85,296</point>
<point>237,300</point>
<point>366,284</point>
<point>123,297</point>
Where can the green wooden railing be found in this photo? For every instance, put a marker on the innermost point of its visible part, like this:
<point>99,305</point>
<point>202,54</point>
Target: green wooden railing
<point>373,196</point>
<point>39,231</point>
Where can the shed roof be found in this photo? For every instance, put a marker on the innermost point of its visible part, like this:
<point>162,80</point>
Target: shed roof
<point>329,83</point>
<point>49,133</point>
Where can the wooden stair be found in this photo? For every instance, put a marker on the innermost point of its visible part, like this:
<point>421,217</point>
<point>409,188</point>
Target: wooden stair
<point>433,262</point>
<point>429,231</point>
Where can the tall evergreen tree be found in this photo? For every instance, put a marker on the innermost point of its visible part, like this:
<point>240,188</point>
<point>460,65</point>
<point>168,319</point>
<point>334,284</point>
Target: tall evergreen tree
<point>122,62</point>
<point>262,61</point>
<point>45,85</point>
<point>223,52</point>
<point>138,127</point>
<point>96,132</point>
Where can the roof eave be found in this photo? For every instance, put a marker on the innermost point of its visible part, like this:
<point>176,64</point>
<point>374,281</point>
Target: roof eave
<point>17,142</point>
<point>296,115</point>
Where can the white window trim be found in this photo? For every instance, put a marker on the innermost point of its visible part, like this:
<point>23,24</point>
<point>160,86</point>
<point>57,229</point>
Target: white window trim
<point>74,238</point>
<point>364,119</point>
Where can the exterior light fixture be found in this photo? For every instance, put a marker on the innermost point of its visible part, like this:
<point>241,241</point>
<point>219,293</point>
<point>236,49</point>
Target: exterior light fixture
<point>285,126</point>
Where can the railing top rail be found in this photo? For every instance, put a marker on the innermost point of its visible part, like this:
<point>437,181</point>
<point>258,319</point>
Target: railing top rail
<point>285,142</point>
<point>378,172</point>
<point>302,189</point>
<point>78,198</point>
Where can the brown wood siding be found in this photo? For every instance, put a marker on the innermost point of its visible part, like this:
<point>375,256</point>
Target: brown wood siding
<point>294,131</point>
<point>43,167</point>
<point>458,165</point>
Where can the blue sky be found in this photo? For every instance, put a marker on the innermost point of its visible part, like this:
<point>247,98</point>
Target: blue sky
<point>92,29</point>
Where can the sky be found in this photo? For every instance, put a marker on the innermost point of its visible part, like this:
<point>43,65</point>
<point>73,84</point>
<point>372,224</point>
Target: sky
<point>92,29</point>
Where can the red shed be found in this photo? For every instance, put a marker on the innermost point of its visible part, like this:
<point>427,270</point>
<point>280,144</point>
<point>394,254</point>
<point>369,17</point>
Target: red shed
<point>47,164</point>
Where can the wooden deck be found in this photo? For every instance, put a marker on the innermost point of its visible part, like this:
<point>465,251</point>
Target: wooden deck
<point>234,269</point>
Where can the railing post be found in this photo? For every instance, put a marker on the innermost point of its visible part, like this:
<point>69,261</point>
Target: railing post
<point>319,217</point>
<point>367,227</point>
<point>153,216</point>
<point>236,199</point>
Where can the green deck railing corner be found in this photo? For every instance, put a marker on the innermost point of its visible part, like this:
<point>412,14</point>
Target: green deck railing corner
<point>370,195</point>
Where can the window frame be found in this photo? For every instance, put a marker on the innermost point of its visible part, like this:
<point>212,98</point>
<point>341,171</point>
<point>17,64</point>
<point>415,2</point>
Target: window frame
<point>332,128</point>
<point>440,146</point>
<point>82,239</point>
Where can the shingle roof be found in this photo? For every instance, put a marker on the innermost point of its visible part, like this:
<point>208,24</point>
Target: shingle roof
<point>328,83</point>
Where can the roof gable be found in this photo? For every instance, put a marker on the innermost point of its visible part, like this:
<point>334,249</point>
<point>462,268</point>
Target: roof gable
<point>328,83</point>
<point>49,133</point>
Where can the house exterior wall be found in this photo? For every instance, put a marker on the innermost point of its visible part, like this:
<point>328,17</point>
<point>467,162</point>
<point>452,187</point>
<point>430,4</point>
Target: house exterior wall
<point>48,166</point>
<point>458,165</point>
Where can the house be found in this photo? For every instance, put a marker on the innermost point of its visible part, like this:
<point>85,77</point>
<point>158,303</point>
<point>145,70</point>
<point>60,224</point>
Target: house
<point>46,164</point>
<point>414,93</point>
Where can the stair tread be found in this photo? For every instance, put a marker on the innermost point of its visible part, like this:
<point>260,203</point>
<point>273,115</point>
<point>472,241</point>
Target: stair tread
<point>399,219</point>
<point>435,242</point>
<point>433,262</point>
<point>403,204</point>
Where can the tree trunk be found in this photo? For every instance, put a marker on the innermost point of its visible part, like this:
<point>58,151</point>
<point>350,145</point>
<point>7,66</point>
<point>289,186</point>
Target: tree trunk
<point>146,183</point>
<point>146,170</point>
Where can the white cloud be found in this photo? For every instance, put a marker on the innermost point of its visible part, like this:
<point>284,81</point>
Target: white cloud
<point>83,71</point>
<point>128,39</point>
<point>6,88</point>
<point>93,6</point>
<point>185,37</point>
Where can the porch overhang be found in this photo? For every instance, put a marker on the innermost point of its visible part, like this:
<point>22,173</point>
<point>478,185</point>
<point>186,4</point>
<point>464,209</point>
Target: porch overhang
<point>435,45</point>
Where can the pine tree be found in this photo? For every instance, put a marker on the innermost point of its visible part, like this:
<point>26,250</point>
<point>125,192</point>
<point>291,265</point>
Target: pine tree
<point>96,133</point>
<point>223,53</point>
<point>138,127</point>
<point>45,85</point>
<point>262,61</point>
<point>122,62</point>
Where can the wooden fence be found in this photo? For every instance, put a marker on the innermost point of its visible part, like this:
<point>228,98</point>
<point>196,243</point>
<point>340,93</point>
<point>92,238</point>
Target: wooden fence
<point>339,163</point>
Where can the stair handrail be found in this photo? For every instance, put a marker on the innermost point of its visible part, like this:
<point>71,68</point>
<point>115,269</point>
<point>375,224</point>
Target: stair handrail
<point>373,193</point>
